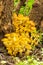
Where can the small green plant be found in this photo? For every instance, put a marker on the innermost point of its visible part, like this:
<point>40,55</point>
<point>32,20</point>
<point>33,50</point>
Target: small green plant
<point>16,2</point>
<point>30,61</point>
<point>41,38</point>
<point>26,8</point>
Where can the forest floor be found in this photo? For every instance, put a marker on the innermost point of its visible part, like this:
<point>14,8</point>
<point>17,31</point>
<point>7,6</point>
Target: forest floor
<point>10,60</point>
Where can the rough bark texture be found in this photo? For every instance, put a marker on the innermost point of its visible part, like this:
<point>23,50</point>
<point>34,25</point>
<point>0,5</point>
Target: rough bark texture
<point>37,13</point>
<point>6,8</point>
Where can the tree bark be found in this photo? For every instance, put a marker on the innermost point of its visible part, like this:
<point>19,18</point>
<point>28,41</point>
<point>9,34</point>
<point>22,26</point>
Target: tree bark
<point>37,14</point>
<point>6,8</point>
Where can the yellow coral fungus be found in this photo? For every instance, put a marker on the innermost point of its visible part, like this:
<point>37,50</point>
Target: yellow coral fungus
<point>23,24</point>
<point>23,38</point>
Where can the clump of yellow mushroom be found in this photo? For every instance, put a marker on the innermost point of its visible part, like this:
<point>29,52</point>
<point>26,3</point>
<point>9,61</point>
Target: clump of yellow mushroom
<point>21,40</point>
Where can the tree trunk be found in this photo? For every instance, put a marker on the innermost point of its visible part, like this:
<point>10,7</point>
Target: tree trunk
<point>37,14</point>
<point>6,8</point>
